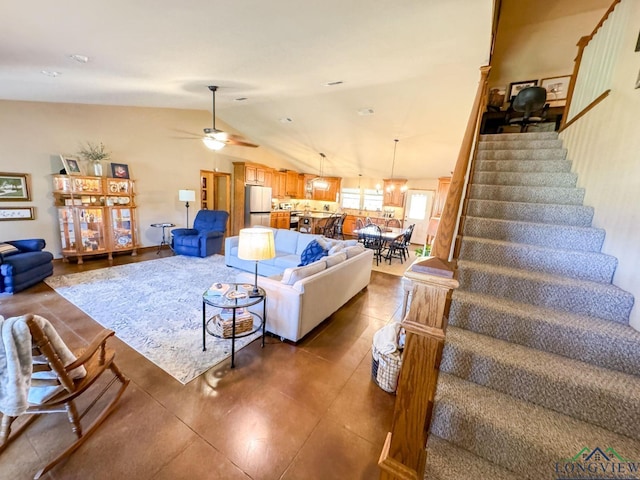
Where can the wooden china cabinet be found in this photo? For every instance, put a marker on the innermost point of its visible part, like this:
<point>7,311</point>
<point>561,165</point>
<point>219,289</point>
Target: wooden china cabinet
<point>96,215</point>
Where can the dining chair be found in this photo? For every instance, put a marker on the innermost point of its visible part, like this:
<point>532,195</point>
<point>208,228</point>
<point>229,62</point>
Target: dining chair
<point>373,239</point>
<point>359,227</point>
<point>396,248</point>
<point>407,240</point>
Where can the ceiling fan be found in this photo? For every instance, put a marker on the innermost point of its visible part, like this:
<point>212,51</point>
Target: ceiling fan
<point>215,139</point>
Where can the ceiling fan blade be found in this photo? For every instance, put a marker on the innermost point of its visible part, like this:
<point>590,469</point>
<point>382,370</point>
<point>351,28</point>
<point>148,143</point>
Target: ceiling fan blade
<point>240,143</point>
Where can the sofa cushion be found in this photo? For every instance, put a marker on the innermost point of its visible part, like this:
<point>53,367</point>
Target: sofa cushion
<point>285,261</point>
<point>292,275</point>
<point>354,250</point>
<point>312,252</point>
<point>335,259</point>
<point>286,241</point>
<point>338,247</point>
<point>7,249</point>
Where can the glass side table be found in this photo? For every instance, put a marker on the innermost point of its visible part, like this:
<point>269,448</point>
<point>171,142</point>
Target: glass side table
<point>235,298</point>
<point>164,226</point>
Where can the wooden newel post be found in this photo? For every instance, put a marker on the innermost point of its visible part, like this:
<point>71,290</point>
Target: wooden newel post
<point>404,453</point>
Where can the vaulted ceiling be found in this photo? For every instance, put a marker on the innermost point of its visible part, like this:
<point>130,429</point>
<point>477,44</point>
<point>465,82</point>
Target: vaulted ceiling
<point>409,70</point>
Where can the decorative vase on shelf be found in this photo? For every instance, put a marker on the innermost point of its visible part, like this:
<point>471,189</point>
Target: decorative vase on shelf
<point>97,168</point>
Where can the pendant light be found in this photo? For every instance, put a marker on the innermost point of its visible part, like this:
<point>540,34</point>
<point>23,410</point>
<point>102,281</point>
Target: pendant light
<point>319,183</point>
<point>392,185</point>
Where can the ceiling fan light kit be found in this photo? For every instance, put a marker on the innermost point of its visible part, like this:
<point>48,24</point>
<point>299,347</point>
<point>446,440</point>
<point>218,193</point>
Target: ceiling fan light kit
<point>215,139</point>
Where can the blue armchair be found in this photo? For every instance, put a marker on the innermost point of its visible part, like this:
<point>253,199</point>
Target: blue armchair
<point>23,263</point>
<point>206,236</point>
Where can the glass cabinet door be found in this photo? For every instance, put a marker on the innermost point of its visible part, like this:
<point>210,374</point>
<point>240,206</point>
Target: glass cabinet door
<point>121,228</point>
<point>67,230</point>
<point>91,224</point>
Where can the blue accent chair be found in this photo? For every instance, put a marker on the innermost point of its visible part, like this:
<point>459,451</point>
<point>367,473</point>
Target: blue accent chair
<point>26,267</point>
<point>206,236</point>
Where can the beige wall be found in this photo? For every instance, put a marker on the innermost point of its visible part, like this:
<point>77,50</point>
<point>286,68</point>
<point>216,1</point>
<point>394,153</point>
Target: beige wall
<point>538,39</point>
<point>604,148</point>
<point>34,134</point>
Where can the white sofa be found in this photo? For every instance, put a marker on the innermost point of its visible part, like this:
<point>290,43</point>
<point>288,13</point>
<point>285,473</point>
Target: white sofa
<point>289,246</point>
<point>301,298</point>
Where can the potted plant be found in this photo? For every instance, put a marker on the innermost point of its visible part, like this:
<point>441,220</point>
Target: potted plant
<point>424,251</point>
<point>95,153</point>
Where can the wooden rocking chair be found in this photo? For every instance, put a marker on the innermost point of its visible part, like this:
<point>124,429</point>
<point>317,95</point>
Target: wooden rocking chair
<point>49,372</point>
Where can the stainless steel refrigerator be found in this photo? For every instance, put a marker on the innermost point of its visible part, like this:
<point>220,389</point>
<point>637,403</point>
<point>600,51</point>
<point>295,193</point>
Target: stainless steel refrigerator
<point>257,205</point>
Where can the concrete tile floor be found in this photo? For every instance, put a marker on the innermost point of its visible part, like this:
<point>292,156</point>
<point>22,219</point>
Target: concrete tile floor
<point>305,411</point>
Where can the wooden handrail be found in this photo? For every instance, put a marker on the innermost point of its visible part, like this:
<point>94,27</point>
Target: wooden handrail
<point>448,221</point>
<point>403,454</point>
<point>585,110</point>
<point>603,19</point>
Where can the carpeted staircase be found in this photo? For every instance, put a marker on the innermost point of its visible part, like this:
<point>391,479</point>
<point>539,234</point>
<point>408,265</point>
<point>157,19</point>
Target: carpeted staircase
<point>539,361</point>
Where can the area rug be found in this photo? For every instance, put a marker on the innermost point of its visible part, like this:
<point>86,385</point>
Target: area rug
<point>155,307</point>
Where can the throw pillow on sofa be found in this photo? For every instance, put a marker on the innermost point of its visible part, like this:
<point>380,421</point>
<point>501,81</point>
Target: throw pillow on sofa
<point>335,259</point>
<point>312,252</point>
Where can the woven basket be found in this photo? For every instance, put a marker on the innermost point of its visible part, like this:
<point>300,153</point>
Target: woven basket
<point>224,328</point>
<point>385,369</point>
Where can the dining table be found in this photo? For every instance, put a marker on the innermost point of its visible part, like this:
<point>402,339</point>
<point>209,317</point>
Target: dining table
<point>387,233</point>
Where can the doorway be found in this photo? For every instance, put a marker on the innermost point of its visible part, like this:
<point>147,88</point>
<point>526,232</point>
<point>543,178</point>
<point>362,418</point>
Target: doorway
<point>418,211</point>
<point>215,192</point>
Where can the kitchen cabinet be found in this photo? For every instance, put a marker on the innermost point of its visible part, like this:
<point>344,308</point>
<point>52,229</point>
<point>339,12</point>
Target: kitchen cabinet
<point>280,220</point>
<point>349,225</point>
<point>96,215</point>
<point>330,194</point>
<point>393,194</point>
<point>279,187</point>
<point>255,175</point>
<point>291,183</point>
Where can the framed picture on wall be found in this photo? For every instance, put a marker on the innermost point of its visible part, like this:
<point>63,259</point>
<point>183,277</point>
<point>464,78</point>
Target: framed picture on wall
<point>119,170</point>
<point>71,165</point>
<point>14,187</point>
<point>515,87</point>
<point>17,213</point>
<point>556,87</point>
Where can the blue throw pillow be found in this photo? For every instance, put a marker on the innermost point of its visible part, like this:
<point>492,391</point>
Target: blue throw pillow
<point>312,252</point>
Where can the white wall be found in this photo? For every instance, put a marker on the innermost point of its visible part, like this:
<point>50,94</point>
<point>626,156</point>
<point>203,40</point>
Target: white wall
<point>605,149</point>
<point>32,135</point>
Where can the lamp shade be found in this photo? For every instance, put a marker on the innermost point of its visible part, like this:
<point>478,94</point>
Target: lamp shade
<point>256,244</point>
<point>187,195</point>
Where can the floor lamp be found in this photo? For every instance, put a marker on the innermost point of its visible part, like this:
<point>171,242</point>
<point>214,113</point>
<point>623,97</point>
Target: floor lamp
<point>187,196</point>
<point>256,244</point>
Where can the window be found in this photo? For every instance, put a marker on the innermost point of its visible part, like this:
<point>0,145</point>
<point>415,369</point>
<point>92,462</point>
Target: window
<point>351,198</point>
<point>372,199</point>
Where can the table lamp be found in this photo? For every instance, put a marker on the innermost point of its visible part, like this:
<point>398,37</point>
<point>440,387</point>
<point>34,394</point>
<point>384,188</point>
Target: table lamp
<point>256,244</point>
<point>187,196</point>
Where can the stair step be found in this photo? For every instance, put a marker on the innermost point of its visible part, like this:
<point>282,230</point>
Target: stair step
<point>588,239</point>
<point>592,266</point>
<point>510,193</point>
<point>529,154</point>
<point>531,179</point>
<point>592,340</point>
<point>445,461</point>
<point>508,137</point>
<point>519,144</point>
<point>517,435</point>
<point>594,299</point>
<point>520,166</point>
<point>573,215</point>
<point>592,394</point>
